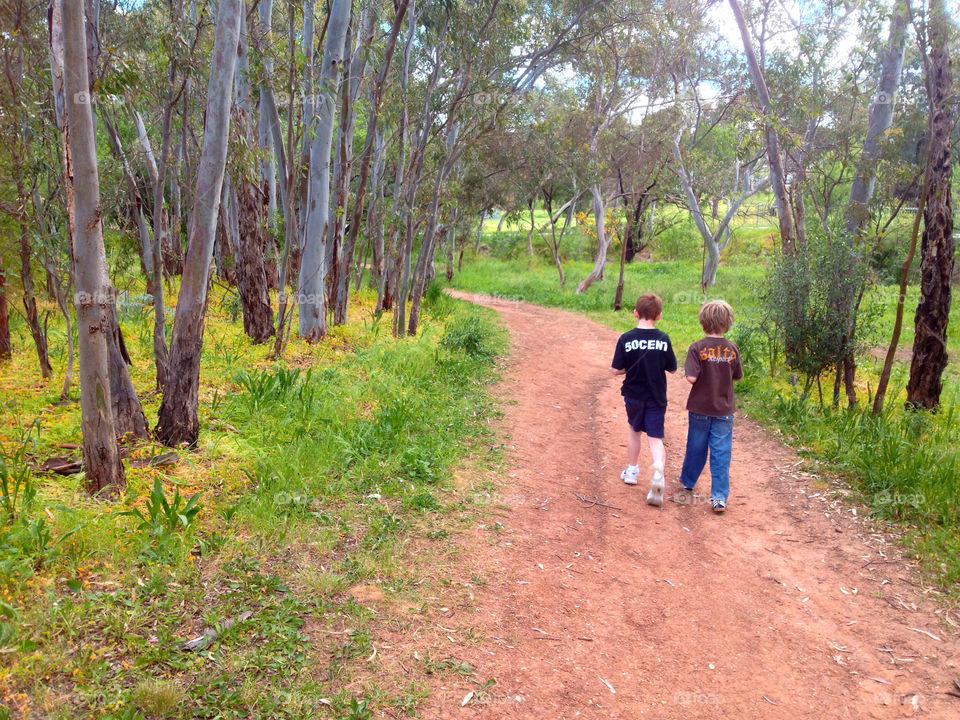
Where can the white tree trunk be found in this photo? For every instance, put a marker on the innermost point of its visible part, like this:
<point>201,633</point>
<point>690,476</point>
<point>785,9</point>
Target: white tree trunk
<point>313,271</point>
<point>602,242</point>
<point>880,119</point>
<point>103,468</point>
<point>178,421</point>
<point>268,173</point>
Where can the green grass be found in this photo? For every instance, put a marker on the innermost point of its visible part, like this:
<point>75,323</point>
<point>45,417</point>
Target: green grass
<point>325,472</point>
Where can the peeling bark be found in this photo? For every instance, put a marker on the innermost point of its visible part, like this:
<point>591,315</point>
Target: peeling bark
<point>937,246</point>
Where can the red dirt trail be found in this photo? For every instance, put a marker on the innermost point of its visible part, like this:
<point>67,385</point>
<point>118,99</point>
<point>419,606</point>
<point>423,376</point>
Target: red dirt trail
<point>789,606</point>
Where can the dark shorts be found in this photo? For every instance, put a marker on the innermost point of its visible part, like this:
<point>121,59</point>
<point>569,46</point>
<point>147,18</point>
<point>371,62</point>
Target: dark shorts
<point>645,416</point>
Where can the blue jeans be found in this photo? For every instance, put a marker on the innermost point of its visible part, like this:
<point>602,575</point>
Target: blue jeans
<point>716,435</point>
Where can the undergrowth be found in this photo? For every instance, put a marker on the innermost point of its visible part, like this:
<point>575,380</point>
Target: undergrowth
<point>314,476</point>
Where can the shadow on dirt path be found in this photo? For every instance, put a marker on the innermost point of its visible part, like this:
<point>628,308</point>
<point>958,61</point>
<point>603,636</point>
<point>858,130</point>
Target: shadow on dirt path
<point>787,606</point>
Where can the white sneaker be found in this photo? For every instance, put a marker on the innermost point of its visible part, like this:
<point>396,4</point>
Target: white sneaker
<point>657,485</point>
<point>630,476</point>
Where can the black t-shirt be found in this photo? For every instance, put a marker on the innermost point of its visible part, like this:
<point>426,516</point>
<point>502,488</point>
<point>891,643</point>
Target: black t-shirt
<point>646,354</point>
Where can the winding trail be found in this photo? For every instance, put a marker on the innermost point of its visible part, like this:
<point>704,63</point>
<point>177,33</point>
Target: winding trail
<point>789,606</point>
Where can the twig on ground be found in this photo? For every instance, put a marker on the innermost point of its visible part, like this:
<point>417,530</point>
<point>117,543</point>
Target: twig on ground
<point>924,632</point>
<point>594,501</point>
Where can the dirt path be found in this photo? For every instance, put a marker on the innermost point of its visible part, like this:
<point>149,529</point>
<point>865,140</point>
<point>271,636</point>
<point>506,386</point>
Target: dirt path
<point>787,606</point>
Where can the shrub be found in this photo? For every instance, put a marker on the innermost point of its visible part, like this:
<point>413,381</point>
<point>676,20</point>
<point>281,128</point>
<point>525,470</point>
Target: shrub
<point>470,335</point>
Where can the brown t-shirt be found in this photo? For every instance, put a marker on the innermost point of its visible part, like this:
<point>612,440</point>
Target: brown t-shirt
<point>715,363</point>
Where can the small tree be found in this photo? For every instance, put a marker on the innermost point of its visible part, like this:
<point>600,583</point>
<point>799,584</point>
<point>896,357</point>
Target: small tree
<point>811,294</point>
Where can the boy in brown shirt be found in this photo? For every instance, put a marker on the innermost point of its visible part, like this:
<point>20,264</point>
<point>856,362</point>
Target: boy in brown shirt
<point>711,367</point>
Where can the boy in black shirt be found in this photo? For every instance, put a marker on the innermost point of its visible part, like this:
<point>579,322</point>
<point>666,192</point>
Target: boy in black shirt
<point>643,356</point>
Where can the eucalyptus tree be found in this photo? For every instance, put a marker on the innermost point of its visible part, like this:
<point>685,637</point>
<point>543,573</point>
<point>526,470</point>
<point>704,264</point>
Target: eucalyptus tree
<point>778,176</point>
<point>313,263</point>
<point>128,416</point>
<point>719,159</point>
<point>937,249</point>
<point>103,468</point>
<point>624,69</point>
<point>178,421</point>
<point>246,226</point>
<point>373,154</point>
<point>880,119</point>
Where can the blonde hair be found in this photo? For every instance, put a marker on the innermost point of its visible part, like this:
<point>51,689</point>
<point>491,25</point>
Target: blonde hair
<point>716,317</point>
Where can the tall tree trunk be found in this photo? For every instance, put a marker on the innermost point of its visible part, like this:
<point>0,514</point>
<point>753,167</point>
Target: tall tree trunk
<point>937,247</point>
<point>880,118</point>
<point>884,379</point>
<point>178,421</point>
<point>373,153</point>
<point>602,242</point>
<point>774,155</point>
<point>268,172</point>
<point>250,243</point>
<point>5,348</point>
<point>428,244</point>
<point>103,468</point>
<point>313,263</point>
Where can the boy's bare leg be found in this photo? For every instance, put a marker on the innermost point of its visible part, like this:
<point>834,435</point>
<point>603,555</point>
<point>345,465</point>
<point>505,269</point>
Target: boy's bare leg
<point>629,476</point>
<point>655,496</point>
<point>634,440</point>
<point>656,451</point>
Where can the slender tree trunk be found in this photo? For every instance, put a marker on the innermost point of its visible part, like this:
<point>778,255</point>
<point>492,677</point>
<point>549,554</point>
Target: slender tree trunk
<point>5,347</point>
<point>103,468</point>
<point>30,300</point>
<point>602,242</point>
<point>937,247</point>
<point>531,204</point>
<point>313,263</point>
<point>60,294</point>
<point>427,245</point>
<point>178,421</point>
<point>373,152</point>
<point>479,234</point>
<point>146,242</point>
<point>880,118</point>
<point>250,243</point>
<point>788,241</point>
<point>268,172</point>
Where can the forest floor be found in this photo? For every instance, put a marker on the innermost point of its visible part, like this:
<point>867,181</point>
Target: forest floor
<point>587,602</point>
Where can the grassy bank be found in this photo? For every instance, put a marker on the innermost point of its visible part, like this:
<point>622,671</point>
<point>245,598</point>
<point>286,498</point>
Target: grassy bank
<point>321,485</point>
<point>904,465</point>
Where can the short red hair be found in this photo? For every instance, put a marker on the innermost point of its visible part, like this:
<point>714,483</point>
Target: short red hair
<point>649,306</point>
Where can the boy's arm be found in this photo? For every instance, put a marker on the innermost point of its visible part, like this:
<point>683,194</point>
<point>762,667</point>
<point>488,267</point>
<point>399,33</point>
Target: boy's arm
<point>615,371</point>
<point>691,366</point>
